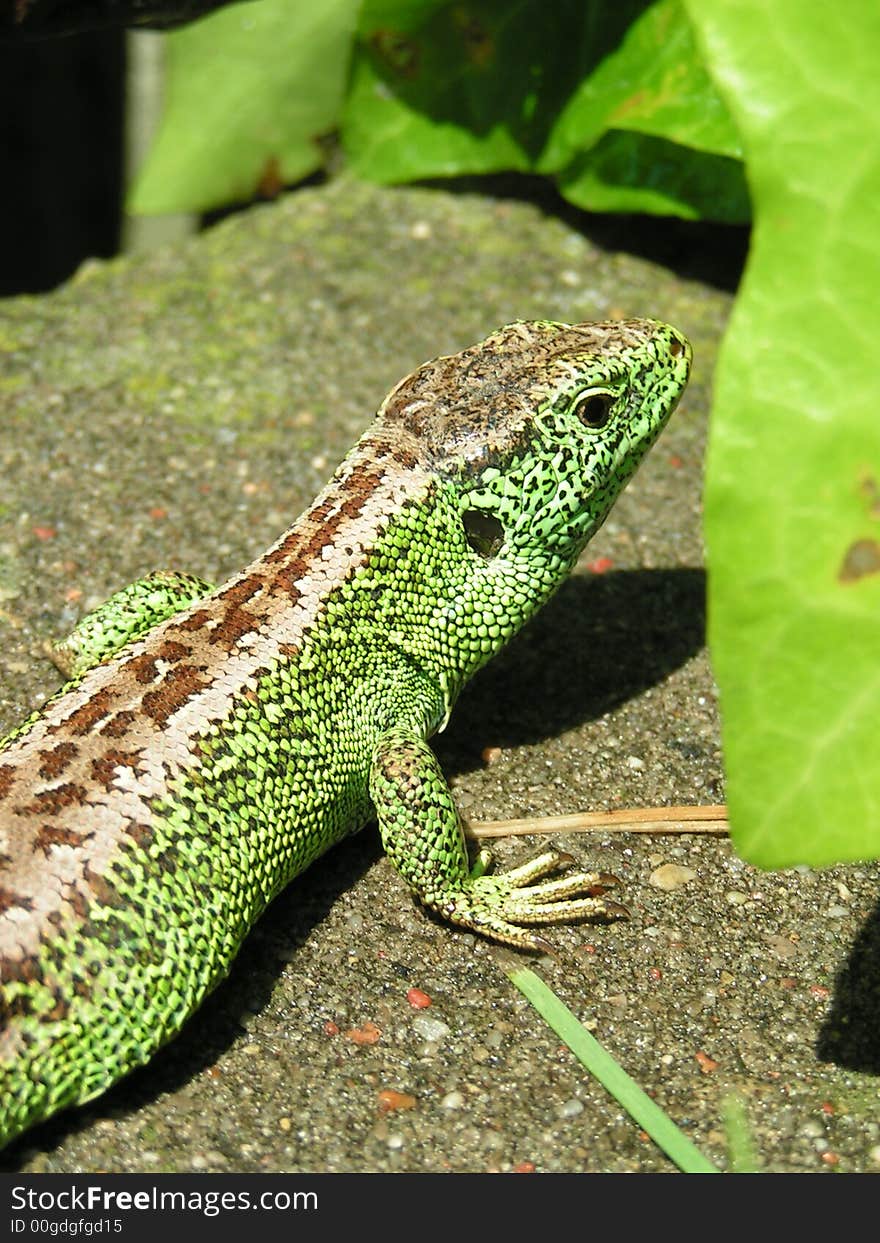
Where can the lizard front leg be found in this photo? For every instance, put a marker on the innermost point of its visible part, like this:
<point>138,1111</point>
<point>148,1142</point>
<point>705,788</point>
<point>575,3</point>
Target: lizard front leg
<point>127,615</point>
<point>423,838</point>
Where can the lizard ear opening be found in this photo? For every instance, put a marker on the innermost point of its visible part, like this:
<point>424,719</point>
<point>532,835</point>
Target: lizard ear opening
<point>483,532</point>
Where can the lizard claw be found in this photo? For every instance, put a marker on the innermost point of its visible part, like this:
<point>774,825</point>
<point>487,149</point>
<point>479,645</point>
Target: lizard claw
<point>507,905</point>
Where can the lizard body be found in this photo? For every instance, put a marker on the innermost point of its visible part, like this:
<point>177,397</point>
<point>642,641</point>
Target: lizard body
<point>210,744</point>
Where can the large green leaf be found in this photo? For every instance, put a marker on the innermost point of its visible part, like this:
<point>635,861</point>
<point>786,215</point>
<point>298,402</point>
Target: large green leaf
<point>629,137</point>
<point>793,489</point>
<point>250,91</point>
<point>654,82</point>
<point>621,113</point>
<point>440,89</point>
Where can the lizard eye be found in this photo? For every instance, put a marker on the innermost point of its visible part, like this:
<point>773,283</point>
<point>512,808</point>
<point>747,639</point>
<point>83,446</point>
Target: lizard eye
<point>483,532</point>
<point>594,409</point>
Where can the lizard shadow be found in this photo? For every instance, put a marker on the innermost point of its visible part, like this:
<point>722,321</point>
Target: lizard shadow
<point>849,1036</point>
<point>598,642</point>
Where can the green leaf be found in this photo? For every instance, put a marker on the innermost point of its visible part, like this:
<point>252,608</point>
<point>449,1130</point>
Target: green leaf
<point>631,172</point>
<point>624,114</point>
<point>250,91</point>
<point>793,486</point>
<point>632,136</point>
<point>586,1048</point>
<point>654,82</point>
<point>442,89</point>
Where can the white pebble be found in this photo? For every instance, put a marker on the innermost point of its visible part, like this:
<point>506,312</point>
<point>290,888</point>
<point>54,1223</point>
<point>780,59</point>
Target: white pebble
<point>430,1028</point>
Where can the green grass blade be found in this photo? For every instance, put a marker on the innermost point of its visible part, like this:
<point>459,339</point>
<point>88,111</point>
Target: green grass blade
<point>742,1151</point>
<point>613,1077</point>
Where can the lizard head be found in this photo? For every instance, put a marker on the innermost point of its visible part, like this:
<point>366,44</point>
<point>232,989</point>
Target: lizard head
<point>538,428</point>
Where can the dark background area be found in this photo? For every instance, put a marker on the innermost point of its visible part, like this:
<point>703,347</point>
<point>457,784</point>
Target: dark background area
<point>61,156</point>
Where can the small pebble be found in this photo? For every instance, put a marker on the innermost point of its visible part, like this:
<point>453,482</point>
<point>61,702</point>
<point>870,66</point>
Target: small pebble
<point>368,1034</point>
<point>390,1101</point>
<point>571,1109</point>
<point>429,1028</point>
<point>670,876</point>
<point>733,897</point>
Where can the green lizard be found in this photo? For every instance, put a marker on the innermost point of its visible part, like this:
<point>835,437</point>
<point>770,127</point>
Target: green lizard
<point>211,743</point>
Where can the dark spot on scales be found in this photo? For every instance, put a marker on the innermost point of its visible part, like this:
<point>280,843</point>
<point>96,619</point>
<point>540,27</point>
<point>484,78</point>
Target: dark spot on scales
<point>15,1007</point>
<point>196,621</point>
<point>59,1011</point>
<point>103,891</point>
<point>30,971</point>
<point>172,651</point>
<point>86,717</point>
<point>52,802</point>
<point>235,623</point>
<point>56,759</point>
<point>79,905</point>
<point>143,668</point>
<point>141,834</point>
<point>240,592</point>
<point>9,899</point>
<point>284,581</point>
<point>298,556</point>
<point>178,685</point>
<point>49,835</point>
<point>104,768</point>
<point>7,776</point>
<point>119,725</point>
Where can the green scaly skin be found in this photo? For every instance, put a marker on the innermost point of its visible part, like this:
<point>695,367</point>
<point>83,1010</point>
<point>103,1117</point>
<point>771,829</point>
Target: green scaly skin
<point>211,743</point>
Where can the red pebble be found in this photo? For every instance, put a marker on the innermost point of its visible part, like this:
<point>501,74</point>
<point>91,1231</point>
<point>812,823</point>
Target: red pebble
<point>368,1034</point>
<point>389,1101</point>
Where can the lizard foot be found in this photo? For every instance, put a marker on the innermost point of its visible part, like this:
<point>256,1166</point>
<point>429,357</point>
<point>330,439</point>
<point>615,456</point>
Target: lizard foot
<point>504,906</point>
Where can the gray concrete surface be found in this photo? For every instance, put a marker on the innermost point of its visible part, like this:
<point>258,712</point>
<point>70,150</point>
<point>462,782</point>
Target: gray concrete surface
<point>178,411</point>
